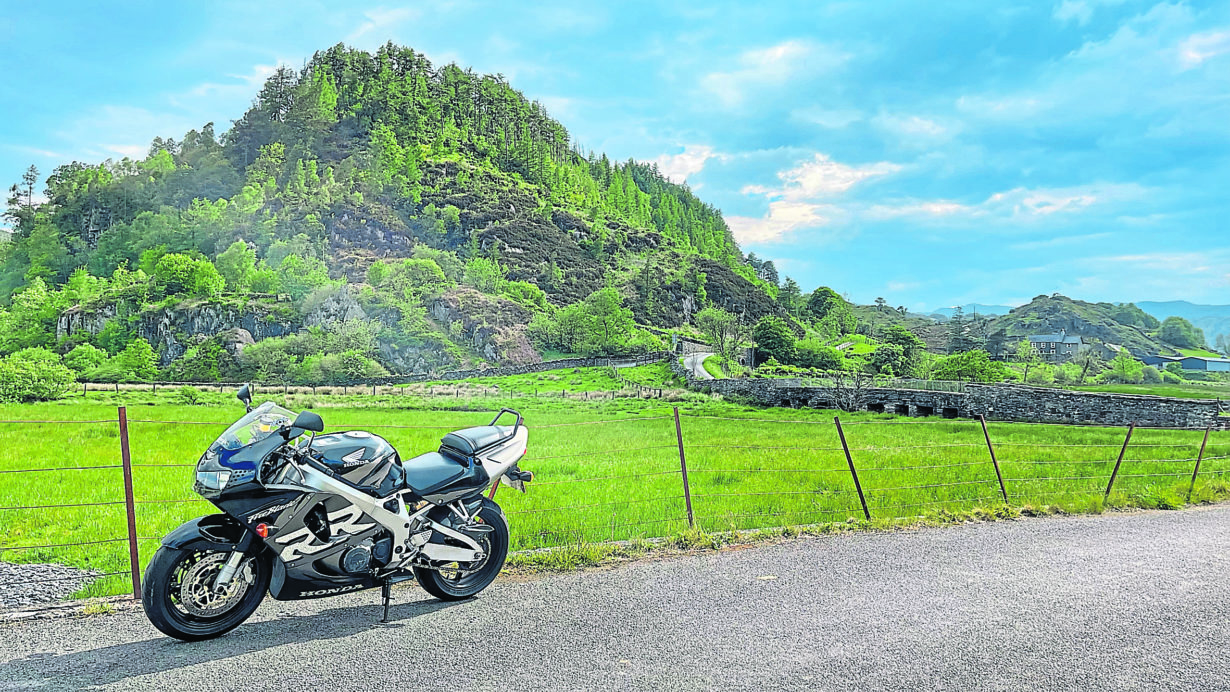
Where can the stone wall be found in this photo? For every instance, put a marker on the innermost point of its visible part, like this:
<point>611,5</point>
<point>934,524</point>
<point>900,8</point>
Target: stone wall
<point>996,402</point>
<point>1015,402</point>
<point>504,371</point>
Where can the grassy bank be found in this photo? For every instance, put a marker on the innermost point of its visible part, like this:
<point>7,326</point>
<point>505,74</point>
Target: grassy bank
<point>606,470</point>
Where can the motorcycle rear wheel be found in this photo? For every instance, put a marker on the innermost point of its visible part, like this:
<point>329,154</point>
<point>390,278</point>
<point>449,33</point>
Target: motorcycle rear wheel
<point>458,583</point>
<point>179,599</point>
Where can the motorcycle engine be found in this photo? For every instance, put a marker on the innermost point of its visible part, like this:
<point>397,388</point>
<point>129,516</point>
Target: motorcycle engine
<point>358,560</point>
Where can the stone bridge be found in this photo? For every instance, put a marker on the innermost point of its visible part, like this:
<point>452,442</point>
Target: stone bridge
<point>996,402</point>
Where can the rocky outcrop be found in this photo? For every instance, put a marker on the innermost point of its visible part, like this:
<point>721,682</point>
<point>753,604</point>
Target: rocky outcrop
<point>172,330</point>
<point>494,327</point>
<point>338,306</point>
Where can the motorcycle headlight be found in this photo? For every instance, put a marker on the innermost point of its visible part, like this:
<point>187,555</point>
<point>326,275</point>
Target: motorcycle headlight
<point>213,480</point>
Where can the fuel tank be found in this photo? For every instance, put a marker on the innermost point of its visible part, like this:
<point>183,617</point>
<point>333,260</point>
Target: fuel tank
<point>364,460</point>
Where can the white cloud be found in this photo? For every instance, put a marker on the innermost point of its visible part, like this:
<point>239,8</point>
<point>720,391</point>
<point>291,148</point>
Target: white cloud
<point>795,203</point>
<point>1080,11</point>
<point>784,217</point>
<point>913,126</point>
<point>1041,202</point>
<point>35,151</point>
<point>1061,241</point>
<point>820,177</point>
<point>830,118</point>
<point>929,208</point>
<point>378,21</point>
<point>1070,10</point>
<point>770,66</point>
<point>132,151</point>
<point>677,167</point>
<point>1022,204</point>
<point>116,131</point>
<point>244,85</point>
<point>1197,48</point>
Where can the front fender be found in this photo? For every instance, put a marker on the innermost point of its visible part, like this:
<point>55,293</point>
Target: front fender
<point>219,532</point>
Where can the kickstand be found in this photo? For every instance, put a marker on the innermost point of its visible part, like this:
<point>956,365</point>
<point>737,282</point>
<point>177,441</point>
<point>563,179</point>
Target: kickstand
<point>386,592</point>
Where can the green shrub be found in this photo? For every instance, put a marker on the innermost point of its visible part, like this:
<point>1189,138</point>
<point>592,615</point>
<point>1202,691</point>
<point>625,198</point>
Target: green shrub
<point>33,374</point>
<point>190,396</point>
<point>84,357</point>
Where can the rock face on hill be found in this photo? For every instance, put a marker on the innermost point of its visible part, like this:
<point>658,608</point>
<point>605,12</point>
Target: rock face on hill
<point>494,327</point>
<point>172,330</point>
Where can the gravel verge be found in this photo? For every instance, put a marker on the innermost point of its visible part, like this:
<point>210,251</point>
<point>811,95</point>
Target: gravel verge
<point>35,584</point>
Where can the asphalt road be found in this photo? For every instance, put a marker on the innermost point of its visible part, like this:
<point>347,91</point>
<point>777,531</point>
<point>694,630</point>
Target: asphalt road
<point>1128,601</point>
<point>696,363</point>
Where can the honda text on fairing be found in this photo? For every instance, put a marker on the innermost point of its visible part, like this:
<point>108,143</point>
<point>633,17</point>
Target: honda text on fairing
<point>307,516</point>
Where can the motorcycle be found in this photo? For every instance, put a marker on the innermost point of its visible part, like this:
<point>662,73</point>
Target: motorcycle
<point>308,515</point>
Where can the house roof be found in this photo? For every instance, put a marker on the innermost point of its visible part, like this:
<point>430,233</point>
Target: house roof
<point>1058,338</point>
<point>1205,359</point>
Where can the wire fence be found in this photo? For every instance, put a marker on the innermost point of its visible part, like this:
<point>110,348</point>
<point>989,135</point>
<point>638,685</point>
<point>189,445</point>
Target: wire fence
<point>70,502</point>
<point>627,388</point>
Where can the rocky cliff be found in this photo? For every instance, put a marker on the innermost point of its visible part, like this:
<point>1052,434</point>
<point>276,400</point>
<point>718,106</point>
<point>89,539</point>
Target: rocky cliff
<point>171,330</point>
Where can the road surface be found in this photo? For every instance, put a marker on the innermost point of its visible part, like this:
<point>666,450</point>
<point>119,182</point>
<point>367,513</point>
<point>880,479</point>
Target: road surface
<point>1124,601</point>
<point>696,363</point>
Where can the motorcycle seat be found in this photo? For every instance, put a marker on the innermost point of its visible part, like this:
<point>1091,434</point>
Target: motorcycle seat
<point>470,441</point>
<point>431,471</point>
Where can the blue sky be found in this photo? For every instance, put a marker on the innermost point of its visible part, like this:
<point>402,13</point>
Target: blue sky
<point>929,153</point>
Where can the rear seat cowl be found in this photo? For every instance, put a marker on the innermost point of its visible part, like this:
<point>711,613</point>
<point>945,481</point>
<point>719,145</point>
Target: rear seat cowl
<point>471,440</point>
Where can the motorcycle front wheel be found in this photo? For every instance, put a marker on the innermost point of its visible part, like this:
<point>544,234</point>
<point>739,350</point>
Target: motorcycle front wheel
<point>180,599</point>
<point>455,582</point>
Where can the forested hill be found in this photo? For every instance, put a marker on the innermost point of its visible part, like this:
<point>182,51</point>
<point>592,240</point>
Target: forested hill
<point>440,208</point>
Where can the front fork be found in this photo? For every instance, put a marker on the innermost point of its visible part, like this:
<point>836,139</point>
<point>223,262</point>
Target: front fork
<point>233,561</point>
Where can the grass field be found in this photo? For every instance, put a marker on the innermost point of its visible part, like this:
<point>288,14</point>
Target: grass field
<point>1200,353</point>
<point>1195,390</point>
<point>859,344</point>
<point>557,381</point>
<point>605,469</point>
<point>713,366</point>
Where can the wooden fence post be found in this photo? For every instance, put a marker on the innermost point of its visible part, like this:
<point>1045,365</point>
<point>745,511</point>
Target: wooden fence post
<point>982,419</point>
<point>1119,461</point>
<point>134,558</point>
<point>683,468</point>
<point>1199,458</point>
<point>853,473</point>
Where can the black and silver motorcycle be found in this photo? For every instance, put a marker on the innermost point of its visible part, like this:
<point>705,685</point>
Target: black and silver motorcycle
<point>308,516</point>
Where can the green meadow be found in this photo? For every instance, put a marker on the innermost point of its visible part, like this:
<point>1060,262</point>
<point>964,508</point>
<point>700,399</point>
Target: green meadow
<point>606,468</point>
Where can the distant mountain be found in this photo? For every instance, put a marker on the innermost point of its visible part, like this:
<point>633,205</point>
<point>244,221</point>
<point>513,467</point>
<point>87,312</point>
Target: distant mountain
<point>1213,319</point>
<point>1122,324</point>
<point>971,308</point>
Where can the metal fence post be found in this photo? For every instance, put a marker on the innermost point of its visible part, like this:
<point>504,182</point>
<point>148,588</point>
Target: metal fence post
<point>134,559</point>
<point>982,419</point>
<point>853,473</point>
<point>1199,458</point>
<point>1118,462</point>
<point>683,468</point>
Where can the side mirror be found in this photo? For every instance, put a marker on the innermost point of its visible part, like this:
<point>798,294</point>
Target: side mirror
<point>306,420</point>
<point>245,395</point>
